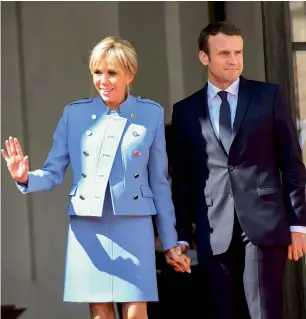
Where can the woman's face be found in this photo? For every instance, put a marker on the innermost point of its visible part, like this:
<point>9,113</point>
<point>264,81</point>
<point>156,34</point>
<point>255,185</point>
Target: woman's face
<point>111,82</point>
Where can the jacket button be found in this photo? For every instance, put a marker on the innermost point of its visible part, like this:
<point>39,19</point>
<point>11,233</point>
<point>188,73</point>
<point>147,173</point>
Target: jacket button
<point>85,153</point>
<point>84,175</point>
<point>230,167</point>
<point>136,175</point>
<point>136,153</point>
<point>82,197</point>
<point>135,197</point>
<point>135,134</point>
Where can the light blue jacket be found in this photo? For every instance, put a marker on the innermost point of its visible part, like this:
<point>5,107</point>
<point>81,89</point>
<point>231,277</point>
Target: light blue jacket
<point>126,150</point>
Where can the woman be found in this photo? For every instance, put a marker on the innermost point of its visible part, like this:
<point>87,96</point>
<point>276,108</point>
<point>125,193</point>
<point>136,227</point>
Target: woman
<point>115,144</point>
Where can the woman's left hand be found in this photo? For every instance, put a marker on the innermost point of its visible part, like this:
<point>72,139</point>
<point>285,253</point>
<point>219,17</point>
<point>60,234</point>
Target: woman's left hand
<point>179,261</point>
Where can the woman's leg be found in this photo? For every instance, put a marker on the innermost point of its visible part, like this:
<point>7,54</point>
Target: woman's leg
<point>134,310</point>
<point>103,310</point>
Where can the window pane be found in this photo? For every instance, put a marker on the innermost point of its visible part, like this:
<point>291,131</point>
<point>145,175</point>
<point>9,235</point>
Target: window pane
<point>298,20</point>
<point>299,58</point>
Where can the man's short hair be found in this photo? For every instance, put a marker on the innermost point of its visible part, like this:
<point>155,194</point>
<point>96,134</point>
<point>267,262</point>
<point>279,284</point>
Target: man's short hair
<point>214,29</point>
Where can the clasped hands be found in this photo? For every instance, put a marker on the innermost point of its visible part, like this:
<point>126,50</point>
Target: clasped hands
<point>176,258</point>
<point>297,248</point>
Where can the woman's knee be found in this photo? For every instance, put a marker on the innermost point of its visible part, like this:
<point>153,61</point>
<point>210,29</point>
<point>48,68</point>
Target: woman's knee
<point>102,311</point>
<point>135,310</point>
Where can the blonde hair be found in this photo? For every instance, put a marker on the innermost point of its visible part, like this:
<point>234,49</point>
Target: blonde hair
<point>116,49</point>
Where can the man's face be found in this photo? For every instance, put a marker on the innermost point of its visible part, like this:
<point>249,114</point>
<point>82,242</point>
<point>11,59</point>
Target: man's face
<point>225,60</point>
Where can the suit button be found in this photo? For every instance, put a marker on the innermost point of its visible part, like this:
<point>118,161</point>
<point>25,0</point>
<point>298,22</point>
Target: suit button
<point>84,175</point>
<point>135,197</point>
<point>230,167</point>
<point>82,197</point>
<point>230,194</point>
<point>211,230</point>
<point>85,153</point>
<point>136,175</point>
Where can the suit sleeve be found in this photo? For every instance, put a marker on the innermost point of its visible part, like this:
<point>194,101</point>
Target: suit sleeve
<point>53,171</point>
<point>159,183</point>
<point>289,156</point>
<point>181,179</point>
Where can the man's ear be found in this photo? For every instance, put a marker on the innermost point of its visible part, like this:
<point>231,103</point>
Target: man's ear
<point>203,58</point>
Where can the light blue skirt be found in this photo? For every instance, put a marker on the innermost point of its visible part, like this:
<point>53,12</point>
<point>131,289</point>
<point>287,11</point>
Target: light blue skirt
<point>110,258</point>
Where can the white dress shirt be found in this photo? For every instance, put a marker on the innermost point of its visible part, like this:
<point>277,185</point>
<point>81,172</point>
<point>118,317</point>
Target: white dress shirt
<point>214,102</point>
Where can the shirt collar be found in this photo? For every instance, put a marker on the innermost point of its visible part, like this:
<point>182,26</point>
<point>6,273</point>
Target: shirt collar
<point>212,91</point>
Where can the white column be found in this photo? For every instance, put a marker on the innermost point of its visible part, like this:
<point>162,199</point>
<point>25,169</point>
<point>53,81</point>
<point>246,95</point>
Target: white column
<point>16,262</point>
<point>174,55</point>
<point>248,17</point>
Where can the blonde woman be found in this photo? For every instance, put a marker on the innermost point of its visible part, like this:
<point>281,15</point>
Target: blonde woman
<point>115,144</point>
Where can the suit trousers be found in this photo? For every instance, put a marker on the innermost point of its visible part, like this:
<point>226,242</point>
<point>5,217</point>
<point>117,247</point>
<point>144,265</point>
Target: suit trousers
<point>181,295</point>
<point>247,280</point>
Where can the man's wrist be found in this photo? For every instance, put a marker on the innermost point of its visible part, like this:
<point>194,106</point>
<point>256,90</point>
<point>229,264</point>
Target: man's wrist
<point>183,242</point>
<point>298,229</point>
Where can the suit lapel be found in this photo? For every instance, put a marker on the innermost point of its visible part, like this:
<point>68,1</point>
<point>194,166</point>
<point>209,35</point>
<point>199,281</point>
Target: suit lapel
<point>204,118</point>
<point>242,105</point>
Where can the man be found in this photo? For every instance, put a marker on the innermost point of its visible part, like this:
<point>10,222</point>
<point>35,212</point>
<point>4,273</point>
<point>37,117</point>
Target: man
<point>238,163</point>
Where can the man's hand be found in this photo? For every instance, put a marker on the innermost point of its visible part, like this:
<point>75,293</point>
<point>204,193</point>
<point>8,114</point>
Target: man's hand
<point>182,249</point>
<point>180,262</point>
<point>297,249</point>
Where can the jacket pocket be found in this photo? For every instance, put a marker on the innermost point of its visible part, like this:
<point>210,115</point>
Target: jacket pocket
<point>208,200</point>
<point>73,190</point>
<point>268,190</point>
<point>146,191</point>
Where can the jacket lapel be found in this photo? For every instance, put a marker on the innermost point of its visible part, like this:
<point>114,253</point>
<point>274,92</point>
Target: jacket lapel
<point>242,105</point>
<point>205,121</point>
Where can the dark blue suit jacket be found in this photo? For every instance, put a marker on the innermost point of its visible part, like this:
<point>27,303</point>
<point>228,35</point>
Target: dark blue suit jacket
<point>262,178</point>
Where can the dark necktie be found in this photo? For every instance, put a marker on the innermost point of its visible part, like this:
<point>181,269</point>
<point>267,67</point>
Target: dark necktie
<point>225,126</point>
